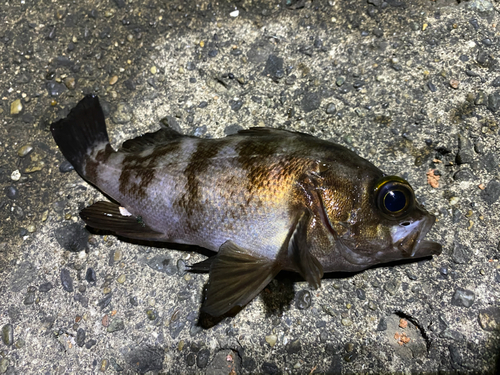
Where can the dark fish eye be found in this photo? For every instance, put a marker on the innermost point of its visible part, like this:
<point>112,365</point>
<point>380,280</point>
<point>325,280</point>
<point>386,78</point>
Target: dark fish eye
<point>394,196</point>
<point>395,201</point>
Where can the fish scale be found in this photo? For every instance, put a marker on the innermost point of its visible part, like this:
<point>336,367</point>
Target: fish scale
<point>263,200</point>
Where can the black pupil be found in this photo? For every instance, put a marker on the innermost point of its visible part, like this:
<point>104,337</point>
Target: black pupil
<point>395,201</point>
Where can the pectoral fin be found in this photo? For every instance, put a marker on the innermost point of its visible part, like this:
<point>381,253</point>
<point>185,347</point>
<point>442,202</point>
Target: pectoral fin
<point>298,249</point>
<point>110,216</point>
<point>236,277</point>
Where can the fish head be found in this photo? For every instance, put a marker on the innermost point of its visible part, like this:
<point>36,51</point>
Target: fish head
<point>382,222</point>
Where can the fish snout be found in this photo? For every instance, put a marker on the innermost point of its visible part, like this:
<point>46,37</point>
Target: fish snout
<point>408,237</point>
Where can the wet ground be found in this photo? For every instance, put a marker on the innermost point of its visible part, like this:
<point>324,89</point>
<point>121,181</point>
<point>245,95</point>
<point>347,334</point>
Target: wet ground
<point>413,86</point>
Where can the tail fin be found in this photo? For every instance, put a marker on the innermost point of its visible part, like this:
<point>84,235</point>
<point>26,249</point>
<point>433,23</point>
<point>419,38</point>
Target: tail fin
<point>82,130</point>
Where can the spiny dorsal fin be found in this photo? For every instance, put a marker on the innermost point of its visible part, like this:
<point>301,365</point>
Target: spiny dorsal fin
<point>306,264</point>
<point>110,216</point>
<point>145,141</point>
<point>236,277</point>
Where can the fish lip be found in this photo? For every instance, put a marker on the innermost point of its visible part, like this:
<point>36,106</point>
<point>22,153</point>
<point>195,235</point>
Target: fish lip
<point>423,248</point>
<point>428,248</point>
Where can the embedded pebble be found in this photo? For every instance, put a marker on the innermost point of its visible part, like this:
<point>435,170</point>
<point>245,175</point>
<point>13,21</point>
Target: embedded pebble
<point>331,109</point>
<point>115,365</point>
<point>66,280</point>
<point>463,298</point>
<point>311,101</point>
<point>11,192</point>
<point>103,303</point>
<point>489,318</point>
<point>72,237</point>
<point>271,340</point>
<point>163,264</point>
<point>55,88</point>
<point>303,299</point>
<point>382,325</point>
<point>431,86</point>
<point>492,192</point>
<point>151,314</point>
<point>90,275</point>
<point>236,104</point>
<point>70,83</point>
<point>346,322</point>
<point>8,334</point>
<point>493,102</point>
<point>29,299</point>
<point>392,286</point>
<point>117,255</point>
<point>104,365</point>
<point>116,325</point>
<point>80,337</point>
<point>66,167</point>
<point>4,365</point>
<point>202,358</point>
<point>460,254</point>
<point>465,153</point>
<point>105,320</point>
<point>34,167</point>
<point>360,293</point>
<point>16,107</point>
<point>16,175</point>
<point>294,347</point>
<point>45,287</point>
<point>90,343</point>
<point>24,150</point>
<point>123,114</point>
<point>121,278</point>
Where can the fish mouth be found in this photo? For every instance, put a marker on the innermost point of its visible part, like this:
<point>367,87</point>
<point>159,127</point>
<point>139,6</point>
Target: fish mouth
<point>408,237</point>
<point>407,243</point>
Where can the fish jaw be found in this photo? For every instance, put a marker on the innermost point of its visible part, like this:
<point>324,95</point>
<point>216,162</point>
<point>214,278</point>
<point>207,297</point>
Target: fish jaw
<point>406,241</point>
<point>408,237</point>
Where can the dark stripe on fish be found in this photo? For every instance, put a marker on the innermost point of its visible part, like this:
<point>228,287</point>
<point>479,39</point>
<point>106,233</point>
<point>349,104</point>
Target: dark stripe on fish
<point>199,162</point>
<point>253,156</point>
<point>91,165</point>
<point>143,169</point>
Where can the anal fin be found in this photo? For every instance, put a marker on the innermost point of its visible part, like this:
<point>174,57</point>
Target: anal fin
<point>110,216</point>
<point>236,277</point>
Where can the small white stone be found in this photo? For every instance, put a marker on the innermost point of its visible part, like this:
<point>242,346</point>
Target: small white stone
<point>16,175</point>
<point>235,13</point>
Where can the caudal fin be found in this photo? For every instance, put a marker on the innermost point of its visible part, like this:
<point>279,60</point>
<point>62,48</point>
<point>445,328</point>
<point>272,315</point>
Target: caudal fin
<point>83,129</point>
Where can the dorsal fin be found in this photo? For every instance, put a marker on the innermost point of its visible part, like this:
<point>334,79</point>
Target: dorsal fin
<point>145,141</point>
<point>265,131</point>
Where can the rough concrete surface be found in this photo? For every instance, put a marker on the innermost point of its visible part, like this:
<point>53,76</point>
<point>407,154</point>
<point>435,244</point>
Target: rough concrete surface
<point>413,86</point>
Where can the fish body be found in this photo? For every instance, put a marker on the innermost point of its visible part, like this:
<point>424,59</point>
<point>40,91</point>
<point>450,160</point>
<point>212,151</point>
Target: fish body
<point>263,199</point>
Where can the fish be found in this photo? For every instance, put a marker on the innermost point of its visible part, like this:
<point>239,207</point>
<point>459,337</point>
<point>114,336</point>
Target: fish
<point>263,200</point>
